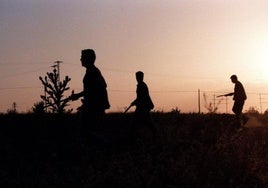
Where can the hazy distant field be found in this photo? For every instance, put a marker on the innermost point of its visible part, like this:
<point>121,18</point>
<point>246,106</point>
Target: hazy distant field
<point>191,150</point>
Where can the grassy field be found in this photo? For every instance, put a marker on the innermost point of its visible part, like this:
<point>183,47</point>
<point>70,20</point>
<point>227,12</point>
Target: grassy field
<point>190,150</point>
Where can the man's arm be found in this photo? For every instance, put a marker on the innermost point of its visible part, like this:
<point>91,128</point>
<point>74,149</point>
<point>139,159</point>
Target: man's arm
<point>229,94</point>
<point>76,96</point>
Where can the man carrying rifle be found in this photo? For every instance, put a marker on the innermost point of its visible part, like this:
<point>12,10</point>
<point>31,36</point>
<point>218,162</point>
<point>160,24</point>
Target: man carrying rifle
<point>143,105</point>
<point>239,100</point>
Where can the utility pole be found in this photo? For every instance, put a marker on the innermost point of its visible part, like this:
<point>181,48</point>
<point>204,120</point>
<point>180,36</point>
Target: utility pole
<point>260,103</point>
<point>14,106</point>
<point>58,68</point>
<point>214,101</point>
<point>226,104</point>
<point>199,110</point>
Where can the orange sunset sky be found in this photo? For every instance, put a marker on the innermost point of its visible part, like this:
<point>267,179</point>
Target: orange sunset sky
<point>180,45</point>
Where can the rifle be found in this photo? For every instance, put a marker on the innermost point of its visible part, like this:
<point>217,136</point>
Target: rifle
<point>128,108</point>
<point>226,95</point>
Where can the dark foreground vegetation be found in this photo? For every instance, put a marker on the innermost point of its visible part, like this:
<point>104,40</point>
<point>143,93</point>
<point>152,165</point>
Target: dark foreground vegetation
<point>190,150</point>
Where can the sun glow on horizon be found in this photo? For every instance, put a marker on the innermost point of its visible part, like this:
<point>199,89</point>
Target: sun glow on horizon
<point>261,61</point>
<point>179,45</point>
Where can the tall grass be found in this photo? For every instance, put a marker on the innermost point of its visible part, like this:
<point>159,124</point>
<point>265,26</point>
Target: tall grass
<point>190,150</point>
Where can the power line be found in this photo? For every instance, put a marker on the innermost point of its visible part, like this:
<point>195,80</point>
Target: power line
<point>172,91</point>
<point>120,70</point>
<point>23,87</point>
<point>150,73</point>
<point>23,73</point>
<point>120,90</point>
<point>108,69</point>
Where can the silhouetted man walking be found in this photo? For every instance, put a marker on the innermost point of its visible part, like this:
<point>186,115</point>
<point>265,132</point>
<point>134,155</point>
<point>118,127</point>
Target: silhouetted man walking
<point>143,105</point>
<point>239,100</point>
<point>95,97</point>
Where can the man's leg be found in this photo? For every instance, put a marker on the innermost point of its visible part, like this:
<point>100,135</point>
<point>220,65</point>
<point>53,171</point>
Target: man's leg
<point>245,119</point>
<point>237,109</point>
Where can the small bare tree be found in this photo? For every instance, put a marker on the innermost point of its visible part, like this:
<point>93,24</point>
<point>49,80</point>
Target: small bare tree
<point>209,106</point>
<point>13,109</point>
<point>54,92</point>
